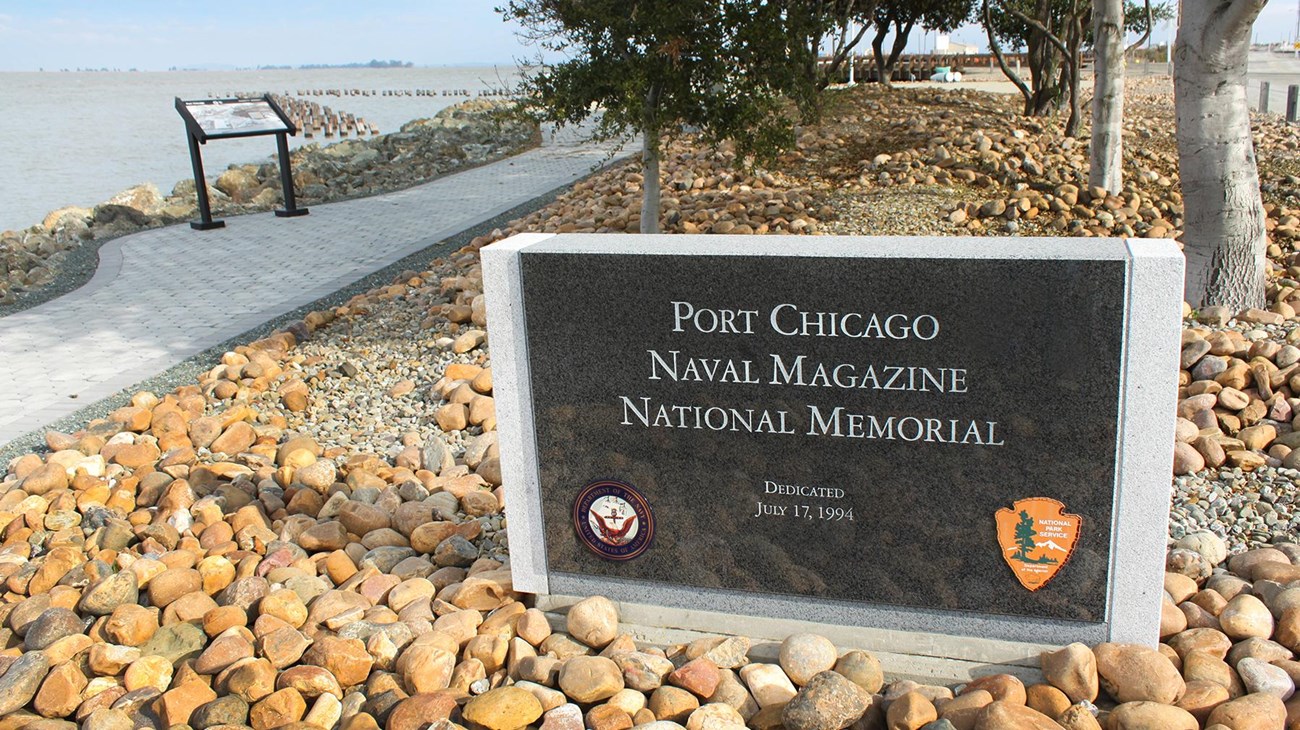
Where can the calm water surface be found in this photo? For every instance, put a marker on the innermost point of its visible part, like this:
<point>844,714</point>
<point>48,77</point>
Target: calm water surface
<point>79,138</point>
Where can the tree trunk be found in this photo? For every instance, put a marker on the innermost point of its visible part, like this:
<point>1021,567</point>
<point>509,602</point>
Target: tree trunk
<point>650,182</point>
<point>901,32</point>
<point>650,127</point>
<point>1048,57</point>
<point>1075,120</point>
<point>1044,70</point>
<point>1044,67</point>
<point>1074,65</point>
<point>1034,48</point>
<point>1106,154</point>
<point>1224,237</point>
<point>812,69</point>
<point>996,50</point>
<point>878,50</point>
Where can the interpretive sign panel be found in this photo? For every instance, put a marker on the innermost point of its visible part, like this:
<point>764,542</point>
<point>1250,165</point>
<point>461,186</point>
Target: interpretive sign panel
<point>954,435</point>
<point>217,118</point>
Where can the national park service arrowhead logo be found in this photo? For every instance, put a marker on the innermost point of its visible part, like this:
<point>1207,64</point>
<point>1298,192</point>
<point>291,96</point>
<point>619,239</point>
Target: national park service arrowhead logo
<point>1037,539</point>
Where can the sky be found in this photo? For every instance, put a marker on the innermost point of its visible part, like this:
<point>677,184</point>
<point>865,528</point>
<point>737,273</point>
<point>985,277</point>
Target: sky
<point>156,34</point>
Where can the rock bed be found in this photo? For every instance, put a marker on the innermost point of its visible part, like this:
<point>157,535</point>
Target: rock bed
<point>181,543</point>
<point>464,135</point>
<point>223,557</point>
<point>164,582</point>
<point>1237,418</point>
<point>704,191</point>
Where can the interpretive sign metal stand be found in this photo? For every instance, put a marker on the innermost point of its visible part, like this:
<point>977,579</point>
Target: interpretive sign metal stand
<point>207,119</point>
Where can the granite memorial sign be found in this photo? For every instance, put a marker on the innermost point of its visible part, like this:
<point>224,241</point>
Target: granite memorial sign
<point>965,436</point>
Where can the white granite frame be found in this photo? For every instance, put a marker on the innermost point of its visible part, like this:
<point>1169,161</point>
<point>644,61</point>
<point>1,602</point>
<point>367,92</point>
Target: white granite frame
<point>1148,391</point>
<point>512,390</point>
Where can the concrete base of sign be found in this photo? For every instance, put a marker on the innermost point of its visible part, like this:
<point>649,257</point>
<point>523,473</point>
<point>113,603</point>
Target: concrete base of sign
<point>921,657</point>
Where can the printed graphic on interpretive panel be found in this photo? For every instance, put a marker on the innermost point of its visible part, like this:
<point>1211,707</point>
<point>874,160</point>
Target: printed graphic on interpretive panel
<point>239,117</point>
<point>845,429</point>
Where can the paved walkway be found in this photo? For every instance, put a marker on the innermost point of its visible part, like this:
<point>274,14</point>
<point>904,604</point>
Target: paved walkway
<point>163,295</point>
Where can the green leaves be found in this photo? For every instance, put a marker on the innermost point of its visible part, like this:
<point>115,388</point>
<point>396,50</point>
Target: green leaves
<point>944,16</point>
<point>721,67</point>
<point>1052,13</point>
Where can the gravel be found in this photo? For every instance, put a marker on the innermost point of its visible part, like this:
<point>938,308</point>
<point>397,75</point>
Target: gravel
<point>898,211</point>
<point>1247,509</point>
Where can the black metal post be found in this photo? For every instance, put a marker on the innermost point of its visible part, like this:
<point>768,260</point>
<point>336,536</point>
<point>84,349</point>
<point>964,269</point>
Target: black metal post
<point>1292,98</point>
<point>1263,97</point>
<point>291,208</point>
<point>205,222</point>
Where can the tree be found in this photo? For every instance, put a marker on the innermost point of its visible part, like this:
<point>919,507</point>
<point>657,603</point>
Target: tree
<point>1112,20</point>
<point>723,67</point>
<point>902,16</point>
<point>1053,34</point>
<point>815,21</point>
<point>1223,235</point>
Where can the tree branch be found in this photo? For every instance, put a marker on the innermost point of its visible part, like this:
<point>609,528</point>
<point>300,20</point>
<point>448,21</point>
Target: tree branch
<point>843,52</point>
<point>1151,21</point>
<point>1229,21</point>
<point>1002,61</point>
<point>902,30</point>
<point>1239,12</point>
<point>843,46</point>
<point>1060,45</point>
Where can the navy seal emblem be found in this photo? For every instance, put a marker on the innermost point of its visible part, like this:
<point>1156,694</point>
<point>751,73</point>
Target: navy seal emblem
<point>613,520</point>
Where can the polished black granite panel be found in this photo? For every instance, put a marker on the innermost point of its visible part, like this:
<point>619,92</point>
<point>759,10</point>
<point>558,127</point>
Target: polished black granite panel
<point>1033,346</point>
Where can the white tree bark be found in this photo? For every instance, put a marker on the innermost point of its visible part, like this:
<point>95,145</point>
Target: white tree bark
<point>1223,213</point>
<point>650,183</point>
<point>1106,163</point>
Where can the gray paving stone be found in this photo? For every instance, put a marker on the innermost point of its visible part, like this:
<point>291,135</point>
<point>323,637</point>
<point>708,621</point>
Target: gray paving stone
<point>162,295</point>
